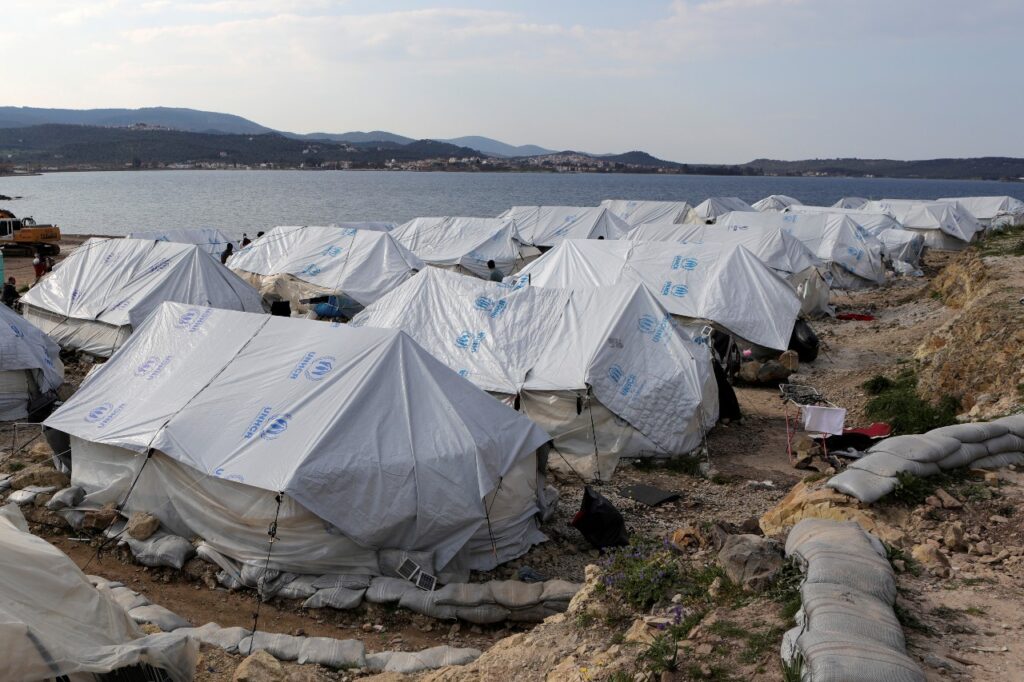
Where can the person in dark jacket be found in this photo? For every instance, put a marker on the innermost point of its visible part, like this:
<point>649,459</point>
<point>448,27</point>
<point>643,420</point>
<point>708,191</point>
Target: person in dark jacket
<point>494,274</point>
<point>227,253</point>
<point>10,293</point>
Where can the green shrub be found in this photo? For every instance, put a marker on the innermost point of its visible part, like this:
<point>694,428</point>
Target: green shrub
<point>897,403</point>
<point>642,574</point>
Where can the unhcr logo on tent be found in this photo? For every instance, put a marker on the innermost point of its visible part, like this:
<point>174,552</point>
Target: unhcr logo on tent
<point>320,368</point>
<point>122,304</point>
<point>737,228</point>
<point>152,367</point>
<point>470,341</point>
<point>75,295</point>
<point>649,324</point>
<point>331,251</point>
<point>192,319</point>
<point>464,373</point>
<point>103,414</point>
<point>677,290</point>
<point>856,253</point>
<point>277,425</point>
<point>493,308</point>
<point>257,423</point>
<point>17,331</point>
<point>237,478</point>
<point>312,270</point>
<point>680,263</point>
<point>615,373</point>
<point>158,266</point>
<point>627,383</point>
<point>349,232</point>
<point>108,259</point>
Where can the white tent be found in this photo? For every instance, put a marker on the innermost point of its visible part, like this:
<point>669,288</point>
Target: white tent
<point>775,202</point>
<point>712,207</point>
<point>374,445</point>
<point>376,225</point>
<point>107,287</point>
<point>462,244</point>
<point>897,244</point>
<point>55,625</point>
<point>639,212</point>
<point>209,239</point>
<point>724,284</point>
<point>645,389</point>
<point>775,247</point>
<point>851,202</point>
<point>945,226</point>
<point>992,211</point>
<point>30,366</point>
<point>546,226</point>
<point>293,263</point>
<point>853,256</point>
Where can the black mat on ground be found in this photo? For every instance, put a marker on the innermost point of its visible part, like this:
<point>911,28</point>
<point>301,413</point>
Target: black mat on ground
<point>648,494</point>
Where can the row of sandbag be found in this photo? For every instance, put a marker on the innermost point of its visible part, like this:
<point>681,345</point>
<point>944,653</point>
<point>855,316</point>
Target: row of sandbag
<point>846,629</point>
<point>326,651</point>
<point>981,445</point>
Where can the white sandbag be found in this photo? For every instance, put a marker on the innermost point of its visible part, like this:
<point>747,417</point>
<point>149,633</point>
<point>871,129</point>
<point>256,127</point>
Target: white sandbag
<point>348,580</point>
<point>408,662</point>
<point>165,619</point>
<point>837,533</point>
<point>999,461</point>
<point>214,635</point>
<point>125,597</point>
<point>426,603</point>
<point>68,497</point>
<point>977,432</point>
<point>484,614</point>
<point>515,594</point>
<point>536,614</point>
<point>889,465</point>
<point>333,653</point>
<point>1014,423</point>
<point>22,497</point>
<point>160,549</point>
<point>919,448</point>
<point>830,607</point>
<point>788,650</point>
<point>229,582</point>
<point>300,588</point>
<point>829,657</point>
<point>1008,442</point>
<point>387,590</point>
<point>842,553</point>
<point>864,485</point>
<point>5,482</point>
<point>340,598</point>
<point>559,590</point>
<point>465,594</point>
<point>967,453</point>
<point>282,647</point>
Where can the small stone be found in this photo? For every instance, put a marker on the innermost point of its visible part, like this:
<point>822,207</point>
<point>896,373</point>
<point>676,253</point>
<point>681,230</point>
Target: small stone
<point>947,500</point>
<point>933,501</point>
<point>748,371</point>
<point>715,588</point>
<point>953,537</point>
<point>141,525</point>
<point>99,519</point>
<point>930,556</point>
<point>790,360</point>
<point>367,627</point>
<point>996,518</point>
<point>259,667</point>
<point>900,565</point>
<point>704,649</point>
<point>982,548</point>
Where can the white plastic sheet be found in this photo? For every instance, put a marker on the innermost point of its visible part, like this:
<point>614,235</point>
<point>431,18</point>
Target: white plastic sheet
<point>549,225</point>
<point>465,243</point>
<point>362,427</point>
<point>638,212</point>
<point>944,225</point>
<point>210,240</point>
<point>712,207</point>
<point>722,283</point>
<point>775,202</point>
<point>992,211</point>
<point>24,347</point>
<point>362,264</point>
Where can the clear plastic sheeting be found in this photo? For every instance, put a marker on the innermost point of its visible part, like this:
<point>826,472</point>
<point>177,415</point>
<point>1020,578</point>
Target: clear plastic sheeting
<point>362,264</point>
<point>711,208</point>
<point>209,239</point>
<point>53,622</point>
<point>108,287</point>
<point>30,364</point>
<point>547,226</point>
<point>775,202</point>
<point>992,212</point>
<point>853,256</point>
<point>720,282</point>
<point>465,244</point>
<point>944,225</point>
<point>639,212</point>
<point>361,427</point>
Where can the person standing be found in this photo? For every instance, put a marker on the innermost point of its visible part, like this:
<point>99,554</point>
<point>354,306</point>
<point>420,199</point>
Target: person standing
<point>494,274</point>
<point>38,267</point>
<point>10,293</point>
<point>245,240</point>
<point>226,253</point>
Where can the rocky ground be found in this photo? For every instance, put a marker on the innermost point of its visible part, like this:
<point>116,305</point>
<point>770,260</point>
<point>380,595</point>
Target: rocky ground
<point>672,611</point>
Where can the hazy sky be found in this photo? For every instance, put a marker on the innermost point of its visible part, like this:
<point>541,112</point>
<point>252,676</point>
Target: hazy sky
<point>689,80</point>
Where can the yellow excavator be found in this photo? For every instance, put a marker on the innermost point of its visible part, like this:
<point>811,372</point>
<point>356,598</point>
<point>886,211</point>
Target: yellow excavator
<point>24,237</point>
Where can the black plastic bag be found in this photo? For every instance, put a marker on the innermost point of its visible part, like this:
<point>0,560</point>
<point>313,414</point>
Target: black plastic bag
<point>599,521</point>
<point>804,341</point>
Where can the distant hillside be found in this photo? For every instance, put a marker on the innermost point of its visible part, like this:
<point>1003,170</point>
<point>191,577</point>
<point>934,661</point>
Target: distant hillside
<point>982,168</point>
<point>638,158</point>
<point>494,147</point>
<point>179,119</point>
<point>357,136</point>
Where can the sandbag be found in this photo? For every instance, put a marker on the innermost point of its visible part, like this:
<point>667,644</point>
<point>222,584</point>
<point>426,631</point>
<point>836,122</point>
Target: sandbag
<point>231,567</point>
<point>160,549</point>
<point>281,647</point>
<point>1007,442</point>
<point>847,534</point>
<point>300,588</point>
<point>967,453</point>
<point>214,635</point>
<point>408,662</point>
<point>387,590</point>
<point>829,657</point>
<point>788,650</point>
<point>864,485</point>
<point>599,521</point>
<point>536,614</point>
<point>125,597</point>
<point>333,653</point>
<point>977,432</point>
<point>485,614</point>
<point>1014,423</point>
<point>830,607</point>
<point>165,619</point>
<point>999,461</point>
<point>888,465</point>
<point>926,447</point>
<point>426,603</point>
<point>513,594</point>
<point>340,598</point>
<point>559,590</point>
<point>348,580</point>
<point>465,594</point>
<point>68,497</point>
